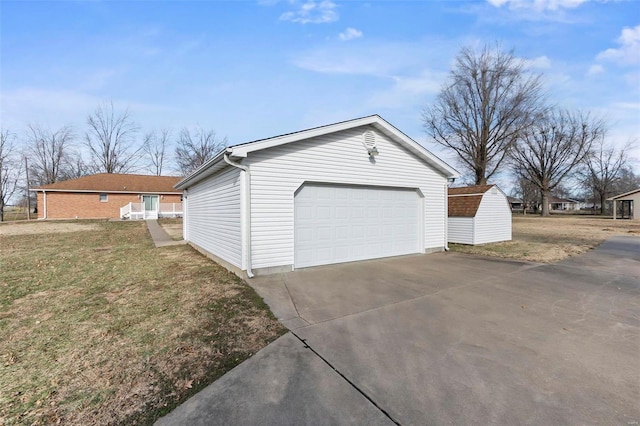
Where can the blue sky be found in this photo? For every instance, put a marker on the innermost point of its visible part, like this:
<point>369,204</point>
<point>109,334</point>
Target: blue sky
<point>255,69</point>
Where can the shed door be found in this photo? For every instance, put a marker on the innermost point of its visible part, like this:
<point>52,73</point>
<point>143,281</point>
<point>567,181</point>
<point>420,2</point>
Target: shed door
<point>335,223</point>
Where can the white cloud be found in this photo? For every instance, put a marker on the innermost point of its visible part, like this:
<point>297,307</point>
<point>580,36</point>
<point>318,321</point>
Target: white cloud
<point>381,59</point>
<point>312,12</point>
<point>595,69</point>
<point>408,90</point>
<point>629,51</point>
<point>350,34</point>
<point>541,62</point>
<point>538,5</point>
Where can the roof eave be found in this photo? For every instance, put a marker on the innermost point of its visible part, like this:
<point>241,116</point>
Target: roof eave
<point>623,195</point>
<point>243,150</point>
<point>205,170</point>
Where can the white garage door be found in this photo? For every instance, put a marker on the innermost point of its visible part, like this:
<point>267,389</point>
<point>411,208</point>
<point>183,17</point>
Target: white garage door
<point>336,224</point>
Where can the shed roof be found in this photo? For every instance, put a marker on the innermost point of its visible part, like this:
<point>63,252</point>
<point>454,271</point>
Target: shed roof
<point>112,182</point>
<point>626,194</point>
<point>464,201</point>
<point>242,150</point>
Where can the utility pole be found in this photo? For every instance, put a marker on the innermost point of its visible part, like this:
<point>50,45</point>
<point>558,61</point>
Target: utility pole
<point>26,167</point>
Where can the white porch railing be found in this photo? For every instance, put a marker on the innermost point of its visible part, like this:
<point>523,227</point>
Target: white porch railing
<point>137,211</point>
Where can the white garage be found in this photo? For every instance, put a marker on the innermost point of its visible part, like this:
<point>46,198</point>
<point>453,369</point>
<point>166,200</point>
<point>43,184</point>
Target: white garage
<point>348,191</point>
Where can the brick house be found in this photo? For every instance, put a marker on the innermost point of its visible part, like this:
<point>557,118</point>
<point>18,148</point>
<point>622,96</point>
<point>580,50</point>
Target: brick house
<point>109,195</point>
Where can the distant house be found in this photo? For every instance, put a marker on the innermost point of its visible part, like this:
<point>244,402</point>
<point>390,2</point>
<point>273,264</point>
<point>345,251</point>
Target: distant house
<point>557,203</point>
<point>626,205</point>
<point>478,215</point>
<point>109,195</point>
<point>515,203</point>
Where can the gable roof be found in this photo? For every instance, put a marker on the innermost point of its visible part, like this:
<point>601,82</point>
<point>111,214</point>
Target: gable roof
<point>623,195</point>
<point>242,150</point>
<point>112,182</point>
<point>464,201</point>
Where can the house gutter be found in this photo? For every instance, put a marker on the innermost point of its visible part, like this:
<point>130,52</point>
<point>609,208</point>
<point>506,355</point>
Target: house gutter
<point>247,204</point>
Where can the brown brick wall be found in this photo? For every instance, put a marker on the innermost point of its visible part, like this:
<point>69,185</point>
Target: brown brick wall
<point>77,205</point>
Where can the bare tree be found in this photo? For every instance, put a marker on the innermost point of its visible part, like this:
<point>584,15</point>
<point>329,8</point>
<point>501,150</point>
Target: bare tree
<point>602,169</point>
<point>628,181</point>
<point>76,167</point>
<point>550,149</point>
<point>50,153</point>
<point>10,169</point>
<point>111,140</point>
<point>528,193</point>
<point>195,149</point>
<point>489,100</point>
<point>155,147</point>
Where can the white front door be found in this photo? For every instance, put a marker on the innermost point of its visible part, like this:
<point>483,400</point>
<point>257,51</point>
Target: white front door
<point>150,204</point>
<point>340,223</point>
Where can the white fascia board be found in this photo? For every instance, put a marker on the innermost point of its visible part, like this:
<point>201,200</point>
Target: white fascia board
<point>95,191</point>
<point>207,169</point>
<point>243,150</point>
<point>623,195</point>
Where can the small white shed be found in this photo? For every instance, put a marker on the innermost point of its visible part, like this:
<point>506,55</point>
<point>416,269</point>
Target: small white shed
<point>354,190</point>
<point>479,215</point>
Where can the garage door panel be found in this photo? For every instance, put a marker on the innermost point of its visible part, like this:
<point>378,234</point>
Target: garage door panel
<point>341,223</point>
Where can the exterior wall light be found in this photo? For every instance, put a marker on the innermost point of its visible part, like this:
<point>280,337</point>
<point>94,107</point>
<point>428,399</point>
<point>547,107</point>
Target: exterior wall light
<point>373,152</point>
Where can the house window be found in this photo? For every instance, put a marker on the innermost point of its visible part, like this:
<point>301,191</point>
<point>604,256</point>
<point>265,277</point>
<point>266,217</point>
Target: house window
<point>104,197</point>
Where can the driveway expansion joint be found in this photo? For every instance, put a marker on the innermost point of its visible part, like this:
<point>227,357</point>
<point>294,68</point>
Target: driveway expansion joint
<point>352,384</point>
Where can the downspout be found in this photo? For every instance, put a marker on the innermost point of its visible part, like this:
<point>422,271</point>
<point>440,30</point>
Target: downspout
<point>247,204</point>
<point>44,199</point>
<point>446,216</point>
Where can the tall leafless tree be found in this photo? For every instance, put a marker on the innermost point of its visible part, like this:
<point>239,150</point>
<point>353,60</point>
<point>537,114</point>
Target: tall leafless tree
<point>50,153</point>
<point>489,100</point>
<point>550,149</point>
<point>602,168</point>
<point>155,147</point>
<point>193,150</point>
<point>528,193</point>
<point>10,169</point>
<point>628,181</point>
<point>110,139</point>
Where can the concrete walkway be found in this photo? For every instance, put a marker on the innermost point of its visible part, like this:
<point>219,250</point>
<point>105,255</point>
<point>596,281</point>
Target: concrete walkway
<point>442,339</point>
<point>160,236</point>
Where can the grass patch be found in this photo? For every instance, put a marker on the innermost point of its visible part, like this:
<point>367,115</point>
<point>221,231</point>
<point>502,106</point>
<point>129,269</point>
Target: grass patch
<point>97,326</point>
<point>549,239</point>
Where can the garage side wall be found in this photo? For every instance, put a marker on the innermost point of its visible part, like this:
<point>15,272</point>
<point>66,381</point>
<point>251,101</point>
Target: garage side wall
<point>493,219</point>
<point>340,158</point>
<point>214,212</point>
<point>461,230</point>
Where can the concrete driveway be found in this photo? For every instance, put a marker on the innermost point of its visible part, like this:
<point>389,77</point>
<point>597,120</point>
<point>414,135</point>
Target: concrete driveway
<point>443,339</point>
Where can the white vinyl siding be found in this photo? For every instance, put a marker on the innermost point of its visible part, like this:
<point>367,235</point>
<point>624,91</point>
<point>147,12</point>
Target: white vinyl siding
<point>338,223</point>
<point>493,219</point>
<point>461,230</point>
<point>340,157</point>
<point>214,215</point>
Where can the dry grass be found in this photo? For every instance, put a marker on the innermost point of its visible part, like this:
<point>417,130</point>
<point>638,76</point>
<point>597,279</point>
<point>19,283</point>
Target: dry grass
<point>554,238</point>
<point>99,327</point>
